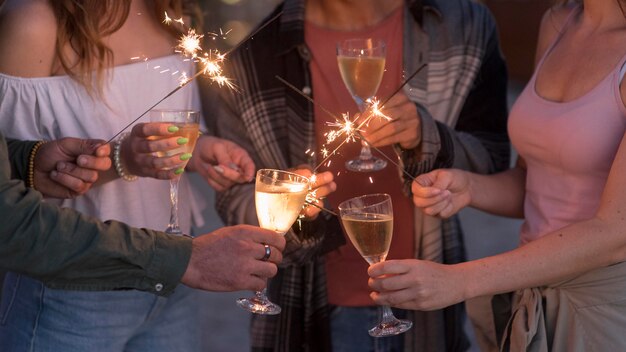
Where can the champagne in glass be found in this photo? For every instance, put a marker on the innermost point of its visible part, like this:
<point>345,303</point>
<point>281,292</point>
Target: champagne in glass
<point>362,64</point>
<point>187,122</point>
<point>279,197</point>
<point>368,222</point>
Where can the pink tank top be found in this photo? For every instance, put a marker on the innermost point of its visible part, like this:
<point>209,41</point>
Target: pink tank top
<point>569,148</point>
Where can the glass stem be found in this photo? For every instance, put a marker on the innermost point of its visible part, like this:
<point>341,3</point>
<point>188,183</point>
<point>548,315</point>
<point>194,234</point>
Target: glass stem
<point>366,152</point>
<point>386,315</point>
<point>261,295</point>
<point>173,227</point>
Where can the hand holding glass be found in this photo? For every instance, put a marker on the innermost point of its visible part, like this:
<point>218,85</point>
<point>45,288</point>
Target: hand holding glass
<point>362,64</point>
<point>187,122</point>
<point>279,197</point>
<point>368,222</point>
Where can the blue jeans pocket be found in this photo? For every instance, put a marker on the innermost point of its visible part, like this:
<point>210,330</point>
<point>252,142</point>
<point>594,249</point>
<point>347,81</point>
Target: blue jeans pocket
<point>9,291</point>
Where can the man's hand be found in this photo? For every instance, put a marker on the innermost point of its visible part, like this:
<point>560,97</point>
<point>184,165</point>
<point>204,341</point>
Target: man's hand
<point>403,128</point>
<point>322,186</point>
<point>221,163</point>
<point>68,167</point>
<point>229,259</point>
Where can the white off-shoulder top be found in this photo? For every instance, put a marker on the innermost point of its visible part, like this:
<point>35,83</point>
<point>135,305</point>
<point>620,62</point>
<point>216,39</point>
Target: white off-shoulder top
<point>55,107</point>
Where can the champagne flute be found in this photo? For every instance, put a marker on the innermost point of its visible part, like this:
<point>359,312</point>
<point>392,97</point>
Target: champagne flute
<point>368,222</point>
<point>187,122</point>
<point>362,64</point>
<point>279,197</point>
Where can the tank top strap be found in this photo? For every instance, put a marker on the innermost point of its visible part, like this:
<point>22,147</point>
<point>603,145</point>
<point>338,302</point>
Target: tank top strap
<point>557,39</point>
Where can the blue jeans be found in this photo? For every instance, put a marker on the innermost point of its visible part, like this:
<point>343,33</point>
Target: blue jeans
<point>349,326</point>
<point>35,318</point>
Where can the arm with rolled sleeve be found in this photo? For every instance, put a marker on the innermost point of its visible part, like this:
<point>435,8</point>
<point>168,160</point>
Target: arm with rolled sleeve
<point>68,250</point>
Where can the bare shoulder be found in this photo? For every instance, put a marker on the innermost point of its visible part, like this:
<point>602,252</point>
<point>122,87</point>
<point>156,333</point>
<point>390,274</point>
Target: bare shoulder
<point>27,38</point>
<point>552,23</point>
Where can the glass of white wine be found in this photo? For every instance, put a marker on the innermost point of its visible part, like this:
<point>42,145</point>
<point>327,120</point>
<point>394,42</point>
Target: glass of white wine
<point>187,122</point>
<point>362,64</point>
<point>279,197</point>
<point>368,222</point>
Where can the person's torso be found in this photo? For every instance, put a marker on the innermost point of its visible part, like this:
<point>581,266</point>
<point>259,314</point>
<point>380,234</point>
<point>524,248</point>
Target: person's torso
<point>346,269</point>
<point>568,147</point>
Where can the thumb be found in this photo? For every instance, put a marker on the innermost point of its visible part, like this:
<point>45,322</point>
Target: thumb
<point>425,180</point>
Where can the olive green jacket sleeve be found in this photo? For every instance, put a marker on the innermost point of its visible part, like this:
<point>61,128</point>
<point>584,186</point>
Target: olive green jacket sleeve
<point>68,250</point>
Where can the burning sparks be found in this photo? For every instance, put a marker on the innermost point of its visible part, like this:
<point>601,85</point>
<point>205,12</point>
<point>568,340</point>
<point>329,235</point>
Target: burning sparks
<point>349,128</point>
<point>190,45</point>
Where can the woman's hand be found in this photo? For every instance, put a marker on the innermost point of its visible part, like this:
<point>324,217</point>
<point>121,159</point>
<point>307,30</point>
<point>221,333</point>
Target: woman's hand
<point>323,185</point>
<point>441,192</point>
<point>416,284</point>
<point>68,167</point>
<point>140,148</point>
<point>221,163</point>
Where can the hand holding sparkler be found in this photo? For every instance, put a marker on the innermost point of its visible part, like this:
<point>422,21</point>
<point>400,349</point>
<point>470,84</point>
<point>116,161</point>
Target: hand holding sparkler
<point>322,185</point>
<point>403,125</point>
<point>221,163</point>
<point>442,192</point>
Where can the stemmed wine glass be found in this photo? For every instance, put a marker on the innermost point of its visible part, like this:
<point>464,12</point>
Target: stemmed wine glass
<point>187,122</point>
<point>368,222</point>
<point>362,64</point>
<point>279,197</point>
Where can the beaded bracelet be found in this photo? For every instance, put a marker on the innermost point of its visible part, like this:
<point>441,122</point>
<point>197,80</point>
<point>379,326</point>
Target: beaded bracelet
<point>117,159</point>
<point>30,173</point>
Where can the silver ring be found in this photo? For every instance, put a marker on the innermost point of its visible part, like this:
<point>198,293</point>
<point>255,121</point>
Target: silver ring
<point>268,252</point>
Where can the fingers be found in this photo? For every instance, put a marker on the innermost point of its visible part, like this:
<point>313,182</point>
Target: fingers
<point>98,163</point>
<point>276,255</point>
<point>76,186</point>
<point>81,174</point>
<point>389,267</point>
<point>153,129</point>
<point>140,145</point>
<point>263,236</point>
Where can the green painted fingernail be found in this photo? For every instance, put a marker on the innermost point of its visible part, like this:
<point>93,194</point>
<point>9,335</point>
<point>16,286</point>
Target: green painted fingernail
<point>185,156</point>
<point>182,140</point>
<point>179,171</point>
<point>172,129</point>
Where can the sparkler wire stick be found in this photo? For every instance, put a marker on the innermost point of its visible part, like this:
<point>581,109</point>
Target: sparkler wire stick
<point>200,72</point>
<point>321,208</point>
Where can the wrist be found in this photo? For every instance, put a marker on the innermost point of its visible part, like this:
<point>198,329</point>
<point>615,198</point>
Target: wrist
<point>30,170</point>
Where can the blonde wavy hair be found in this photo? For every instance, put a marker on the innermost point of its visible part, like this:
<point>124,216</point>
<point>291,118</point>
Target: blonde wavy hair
<point>82,25</point>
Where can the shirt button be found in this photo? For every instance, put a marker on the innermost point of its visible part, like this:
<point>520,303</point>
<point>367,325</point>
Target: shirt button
<point>306,90</point>
<point>158,287</point>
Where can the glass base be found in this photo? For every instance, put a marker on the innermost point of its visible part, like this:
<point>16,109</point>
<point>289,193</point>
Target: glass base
<point>395,327</point>
<point>258,306</point>
<point>366,165</point>
<point>173,230</point>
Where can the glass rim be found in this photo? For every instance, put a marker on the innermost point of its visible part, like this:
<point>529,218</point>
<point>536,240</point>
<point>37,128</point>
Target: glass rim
<point>308,180</point>
<point>192,111</point>
<point>377,43</point>
<point>342,205</point>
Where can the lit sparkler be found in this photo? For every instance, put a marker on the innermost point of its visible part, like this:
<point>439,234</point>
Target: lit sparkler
<point>348,127</point>
<point>210,62</point>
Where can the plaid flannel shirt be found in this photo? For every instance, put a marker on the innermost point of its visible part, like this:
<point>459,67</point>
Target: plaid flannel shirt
<point>461,98</point>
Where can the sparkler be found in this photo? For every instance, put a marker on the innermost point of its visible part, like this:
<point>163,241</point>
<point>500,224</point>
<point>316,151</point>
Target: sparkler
<point>345,126</point>
<point>211,62</point>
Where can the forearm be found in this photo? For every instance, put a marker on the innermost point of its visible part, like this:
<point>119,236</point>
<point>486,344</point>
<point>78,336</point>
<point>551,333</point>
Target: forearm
<point>62,247</point>
<point>559,255</point>
<point>19,151</point>
<point>499,194</point>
